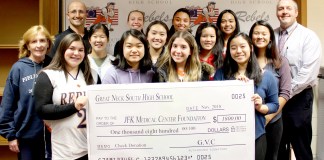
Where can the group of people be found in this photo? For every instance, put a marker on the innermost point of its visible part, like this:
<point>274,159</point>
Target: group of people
<point>49,95</point>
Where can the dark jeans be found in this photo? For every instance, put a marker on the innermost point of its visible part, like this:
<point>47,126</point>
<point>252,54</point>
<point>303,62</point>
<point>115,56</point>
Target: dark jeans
<point>31,149</point>
<point>274,134</point>
<point>260,147</point>
<point>297,126</point>
<point>48,145</point>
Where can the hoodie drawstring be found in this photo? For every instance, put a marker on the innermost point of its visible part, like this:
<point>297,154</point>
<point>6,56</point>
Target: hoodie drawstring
<point>131,78</point>
<point>35,72</point>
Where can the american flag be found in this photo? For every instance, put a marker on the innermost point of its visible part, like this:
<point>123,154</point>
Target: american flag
<point>93,13</point>
<point>195,12</point>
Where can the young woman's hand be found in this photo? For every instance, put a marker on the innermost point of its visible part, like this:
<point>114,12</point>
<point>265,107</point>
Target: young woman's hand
<point>262,108</point>
<point>257,101</point>
<point>242,78</point>
<point>80,102</point>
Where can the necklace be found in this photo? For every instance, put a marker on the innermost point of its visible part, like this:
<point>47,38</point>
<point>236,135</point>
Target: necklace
<point>181,74</point>
<point>239,73</point>
<point>76,76</point>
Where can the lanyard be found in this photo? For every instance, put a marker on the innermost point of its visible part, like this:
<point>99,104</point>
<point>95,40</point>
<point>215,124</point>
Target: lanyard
<point>284,42</point>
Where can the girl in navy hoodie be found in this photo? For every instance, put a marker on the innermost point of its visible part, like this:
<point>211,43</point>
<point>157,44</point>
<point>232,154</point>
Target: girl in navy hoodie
<point>19,123</point>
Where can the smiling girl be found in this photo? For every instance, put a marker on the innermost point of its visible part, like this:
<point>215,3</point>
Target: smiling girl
<point>180,21</point>
<point>60,94</point>
<point>210,44</point>
<point>134,63</point>
<point>240,63</point>
<point>263,39</point>
<point>157,36</point>
<point>99,58</point>
<point>228,23</point>
<point>135,20</point>
<point>181,63</point>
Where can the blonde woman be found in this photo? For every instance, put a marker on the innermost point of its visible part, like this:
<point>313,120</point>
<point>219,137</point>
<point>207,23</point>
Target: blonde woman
<point>19,123</point>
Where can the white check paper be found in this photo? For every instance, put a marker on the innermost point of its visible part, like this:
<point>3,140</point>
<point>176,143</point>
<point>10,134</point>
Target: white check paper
<point>171,121</point>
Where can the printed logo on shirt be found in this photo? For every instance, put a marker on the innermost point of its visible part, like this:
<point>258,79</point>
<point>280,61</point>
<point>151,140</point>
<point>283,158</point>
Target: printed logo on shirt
<point>67,98</point>
<point>29,77</point>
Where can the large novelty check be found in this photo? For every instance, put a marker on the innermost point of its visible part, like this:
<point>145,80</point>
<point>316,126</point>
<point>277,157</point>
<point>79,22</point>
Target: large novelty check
<point>171,121</point>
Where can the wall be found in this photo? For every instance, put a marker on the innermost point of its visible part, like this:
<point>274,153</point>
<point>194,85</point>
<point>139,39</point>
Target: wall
<point>314,22</point>
<point>16,17</point>
<point>314,11</point>
<point>9,56</point>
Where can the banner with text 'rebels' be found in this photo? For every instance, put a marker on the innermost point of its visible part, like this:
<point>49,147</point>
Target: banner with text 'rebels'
<point>114,13</point>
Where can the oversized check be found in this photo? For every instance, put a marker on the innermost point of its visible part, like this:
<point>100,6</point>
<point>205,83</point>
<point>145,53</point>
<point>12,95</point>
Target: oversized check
<point>171,121</point>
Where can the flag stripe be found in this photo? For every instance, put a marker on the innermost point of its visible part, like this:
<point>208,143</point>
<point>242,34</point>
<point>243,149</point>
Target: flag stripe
<point>199,12</point>
<point>91,17</point>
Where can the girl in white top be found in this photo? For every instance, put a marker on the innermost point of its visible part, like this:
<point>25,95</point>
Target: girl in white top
<point>99,57</point>
<point>61,98</point>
